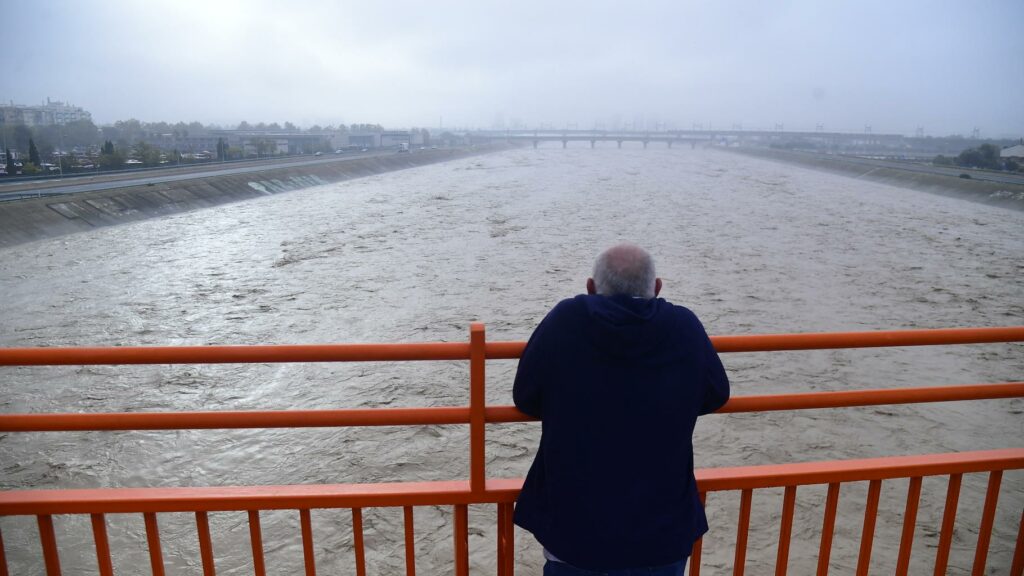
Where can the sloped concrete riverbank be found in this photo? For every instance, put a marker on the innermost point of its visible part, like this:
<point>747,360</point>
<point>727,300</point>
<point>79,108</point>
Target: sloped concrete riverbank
<point>33,219</point>
<point>1004,195</point>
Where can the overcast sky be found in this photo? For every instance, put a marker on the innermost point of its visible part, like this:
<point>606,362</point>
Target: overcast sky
<point>944,66</point>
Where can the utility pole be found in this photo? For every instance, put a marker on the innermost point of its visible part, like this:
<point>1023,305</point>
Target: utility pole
<point>60,163</point>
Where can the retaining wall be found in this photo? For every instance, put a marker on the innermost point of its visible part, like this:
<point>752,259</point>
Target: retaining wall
<point>38,218</point>
<point>993,193</point>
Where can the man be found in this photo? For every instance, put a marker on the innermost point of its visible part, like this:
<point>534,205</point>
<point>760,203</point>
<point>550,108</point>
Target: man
<point>618,378</point>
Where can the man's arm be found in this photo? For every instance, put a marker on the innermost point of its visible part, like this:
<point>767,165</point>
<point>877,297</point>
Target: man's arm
<point>717,382</point>
<point>534,369</point>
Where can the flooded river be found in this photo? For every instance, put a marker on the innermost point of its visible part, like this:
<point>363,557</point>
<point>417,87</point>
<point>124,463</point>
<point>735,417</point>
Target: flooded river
<point>416,255</point>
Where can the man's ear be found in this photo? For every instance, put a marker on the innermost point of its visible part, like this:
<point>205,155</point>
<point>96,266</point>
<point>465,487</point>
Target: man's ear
<point>657,286</point>
<point>591,287</point>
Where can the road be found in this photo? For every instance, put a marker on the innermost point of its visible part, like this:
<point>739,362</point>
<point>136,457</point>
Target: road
<point>955,172</point>
<point>105,181</point>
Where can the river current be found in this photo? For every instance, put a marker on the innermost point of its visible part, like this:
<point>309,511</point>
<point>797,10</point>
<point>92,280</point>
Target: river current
<point>751,246</point>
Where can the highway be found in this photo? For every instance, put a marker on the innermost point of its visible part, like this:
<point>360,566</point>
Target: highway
<point>104,181</point>
<point>952,171</point>
<point>107,180</point>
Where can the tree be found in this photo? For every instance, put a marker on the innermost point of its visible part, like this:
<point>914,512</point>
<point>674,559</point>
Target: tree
<point>112,161</point>
<point>22,134</point>
<point>109,158</point>
<point>147,153</point>
<point>68,162</point>
<point>263,146</point>
<point>111,133</point>
<point>984,156</point>
<point>222,149</point>
<point>243,125</point>
<point>81,133</point>
<point>33,153</point>
<point>10,162</point>
<point>158,127</point>
<point>131,130</point>
<point>941,160</point>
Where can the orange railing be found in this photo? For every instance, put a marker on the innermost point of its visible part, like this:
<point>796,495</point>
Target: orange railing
<point>149,502</point>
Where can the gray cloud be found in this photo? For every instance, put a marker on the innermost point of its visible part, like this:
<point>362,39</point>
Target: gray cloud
<point>945,66</point>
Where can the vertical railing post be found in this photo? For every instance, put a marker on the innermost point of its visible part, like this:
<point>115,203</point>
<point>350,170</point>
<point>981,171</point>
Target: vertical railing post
<point>948,520</point>
<point>1016,569</point>
<point>828,526</point>
<point>461,533</point>
<point>506,540</point>
<point>868,532</point>
<point>357,541</point>
<point>308,555</point>
<point>205,543</point>
<point>156,555</point>
<point>909,524</point>
<point>259,567</point>
<point>742,529</point>
<point>3,557</point>
<point>698,546</point>
<point>49,542</point>
<point>988,516</point>
<point>477,362</point>
<point>785,531</point>
<point>99,533</point>
<point>410,542</point>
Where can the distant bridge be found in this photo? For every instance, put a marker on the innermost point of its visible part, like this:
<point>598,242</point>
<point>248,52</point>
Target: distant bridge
<point>692,137</point>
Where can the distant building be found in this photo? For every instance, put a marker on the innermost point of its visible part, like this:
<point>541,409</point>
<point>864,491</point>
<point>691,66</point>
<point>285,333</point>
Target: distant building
<point>1014,152</point>
<point>48,114</point>
<point>270,141</point>
<point>392,138</point>
<point>364,139</point>
<point>381,139</point>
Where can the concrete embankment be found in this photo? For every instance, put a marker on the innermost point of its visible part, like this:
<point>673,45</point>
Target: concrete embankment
<point>46,217</point>
<point>993,193</point>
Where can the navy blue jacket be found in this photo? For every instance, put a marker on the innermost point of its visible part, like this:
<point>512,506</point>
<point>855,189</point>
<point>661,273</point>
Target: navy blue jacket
<point>618,383</point>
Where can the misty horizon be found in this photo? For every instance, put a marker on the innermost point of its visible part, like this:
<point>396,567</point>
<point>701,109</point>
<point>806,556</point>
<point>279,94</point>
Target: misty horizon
<point>919,67</point>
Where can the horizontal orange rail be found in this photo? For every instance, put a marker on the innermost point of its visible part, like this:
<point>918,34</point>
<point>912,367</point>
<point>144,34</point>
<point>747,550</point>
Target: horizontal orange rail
<point>448,492</point>
<point>461,351</point>
<point>96,421</point>
<point>233,419</point>
<point>884,468</point>
<point>258,354</point>
<point>480,489</point>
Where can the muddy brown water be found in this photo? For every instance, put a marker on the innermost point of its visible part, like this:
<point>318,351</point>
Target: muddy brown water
<point>751,246</point>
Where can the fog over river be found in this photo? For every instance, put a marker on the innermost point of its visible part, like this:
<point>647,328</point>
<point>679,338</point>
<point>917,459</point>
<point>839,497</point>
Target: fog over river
<point>751,246</point>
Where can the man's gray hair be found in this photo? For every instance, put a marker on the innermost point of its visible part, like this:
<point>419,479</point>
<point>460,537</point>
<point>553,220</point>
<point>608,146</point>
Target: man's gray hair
<point>626,270</point>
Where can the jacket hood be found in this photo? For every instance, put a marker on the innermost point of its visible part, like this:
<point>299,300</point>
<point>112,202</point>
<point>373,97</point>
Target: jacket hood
<point>628,327</point>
